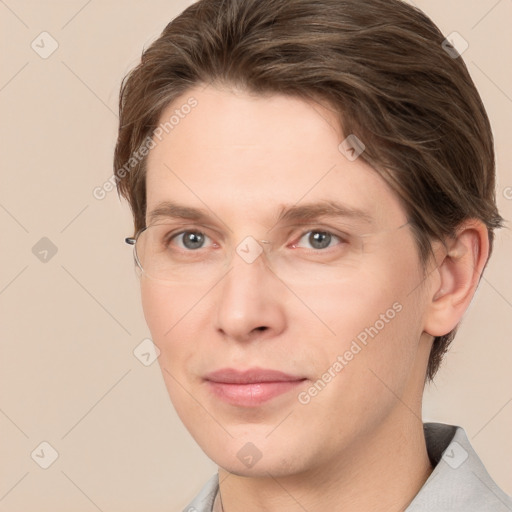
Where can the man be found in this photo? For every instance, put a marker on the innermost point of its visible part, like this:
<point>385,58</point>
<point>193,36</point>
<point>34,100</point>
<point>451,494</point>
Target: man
<point>312,185</point>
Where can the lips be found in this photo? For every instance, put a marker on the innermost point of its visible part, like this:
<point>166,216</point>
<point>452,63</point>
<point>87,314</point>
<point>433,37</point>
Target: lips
<point>250,388</point>
<point>250,376</point>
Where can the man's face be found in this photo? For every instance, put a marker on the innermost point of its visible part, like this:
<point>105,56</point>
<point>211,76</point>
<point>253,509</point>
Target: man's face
<point>334,301</point>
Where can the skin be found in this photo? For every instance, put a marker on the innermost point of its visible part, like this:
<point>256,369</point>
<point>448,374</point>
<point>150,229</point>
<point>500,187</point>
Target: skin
<point>358,444</point>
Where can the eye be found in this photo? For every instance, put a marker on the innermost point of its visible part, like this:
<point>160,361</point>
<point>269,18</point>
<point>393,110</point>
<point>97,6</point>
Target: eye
<point>193,240</point>
<point>319,239</point>
<point>190,240</point>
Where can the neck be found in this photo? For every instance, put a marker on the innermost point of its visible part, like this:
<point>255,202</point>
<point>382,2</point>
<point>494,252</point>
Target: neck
<point>382,472</point>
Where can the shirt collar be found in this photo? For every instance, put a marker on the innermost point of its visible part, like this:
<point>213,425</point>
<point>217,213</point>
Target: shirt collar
<point>459,482</point>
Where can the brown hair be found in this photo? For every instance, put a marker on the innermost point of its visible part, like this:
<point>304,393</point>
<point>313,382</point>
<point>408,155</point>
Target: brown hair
<point>381,64</point>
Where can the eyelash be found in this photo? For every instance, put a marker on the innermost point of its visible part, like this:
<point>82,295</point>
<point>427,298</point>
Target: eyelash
<point>342,240</point>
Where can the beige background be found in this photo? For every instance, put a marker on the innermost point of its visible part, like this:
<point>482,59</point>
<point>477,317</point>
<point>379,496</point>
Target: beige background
<point>69,326</point>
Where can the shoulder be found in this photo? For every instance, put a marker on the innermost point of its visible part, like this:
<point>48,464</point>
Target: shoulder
<point>459,481</point>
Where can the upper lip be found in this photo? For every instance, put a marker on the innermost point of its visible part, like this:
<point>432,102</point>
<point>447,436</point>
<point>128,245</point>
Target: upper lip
<point>252,375</point>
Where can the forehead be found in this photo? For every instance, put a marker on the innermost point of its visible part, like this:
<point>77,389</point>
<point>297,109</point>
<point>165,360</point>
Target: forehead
<point>239,153</point>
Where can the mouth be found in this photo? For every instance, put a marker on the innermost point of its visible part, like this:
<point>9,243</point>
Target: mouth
<point>250,388</point>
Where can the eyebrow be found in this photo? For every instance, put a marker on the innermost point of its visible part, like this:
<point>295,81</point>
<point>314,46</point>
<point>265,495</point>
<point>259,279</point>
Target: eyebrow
<point>296,213</point>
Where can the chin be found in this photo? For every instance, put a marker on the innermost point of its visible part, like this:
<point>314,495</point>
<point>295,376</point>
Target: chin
<point>258,459</point>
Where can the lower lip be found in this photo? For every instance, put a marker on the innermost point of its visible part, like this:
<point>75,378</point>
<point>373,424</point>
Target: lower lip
<point>251,395</point>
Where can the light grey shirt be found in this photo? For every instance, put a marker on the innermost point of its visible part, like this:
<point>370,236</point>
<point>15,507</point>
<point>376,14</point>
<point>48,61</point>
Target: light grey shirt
<point>459,482</point>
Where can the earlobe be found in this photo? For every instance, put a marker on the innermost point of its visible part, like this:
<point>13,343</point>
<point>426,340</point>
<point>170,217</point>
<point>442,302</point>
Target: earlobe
<point>456,278</point>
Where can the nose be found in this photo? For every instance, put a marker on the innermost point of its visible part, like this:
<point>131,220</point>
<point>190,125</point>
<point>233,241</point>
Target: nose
<point>250,301</point>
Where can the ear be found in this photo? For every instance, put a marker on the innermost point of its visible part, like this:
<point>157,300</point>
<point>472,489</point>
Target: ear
<point>453,284</point>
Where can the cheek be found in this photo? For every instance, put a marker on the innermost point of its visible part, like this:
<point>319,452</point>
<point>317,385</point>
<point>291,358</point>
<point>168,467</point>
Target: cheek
<point>157,308</point>
<point>343,308</point>
<point>374,319</point>
<point>166,310</point>
<point>374,352</point>
<point>178,318</point>
<point>166,307</point>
